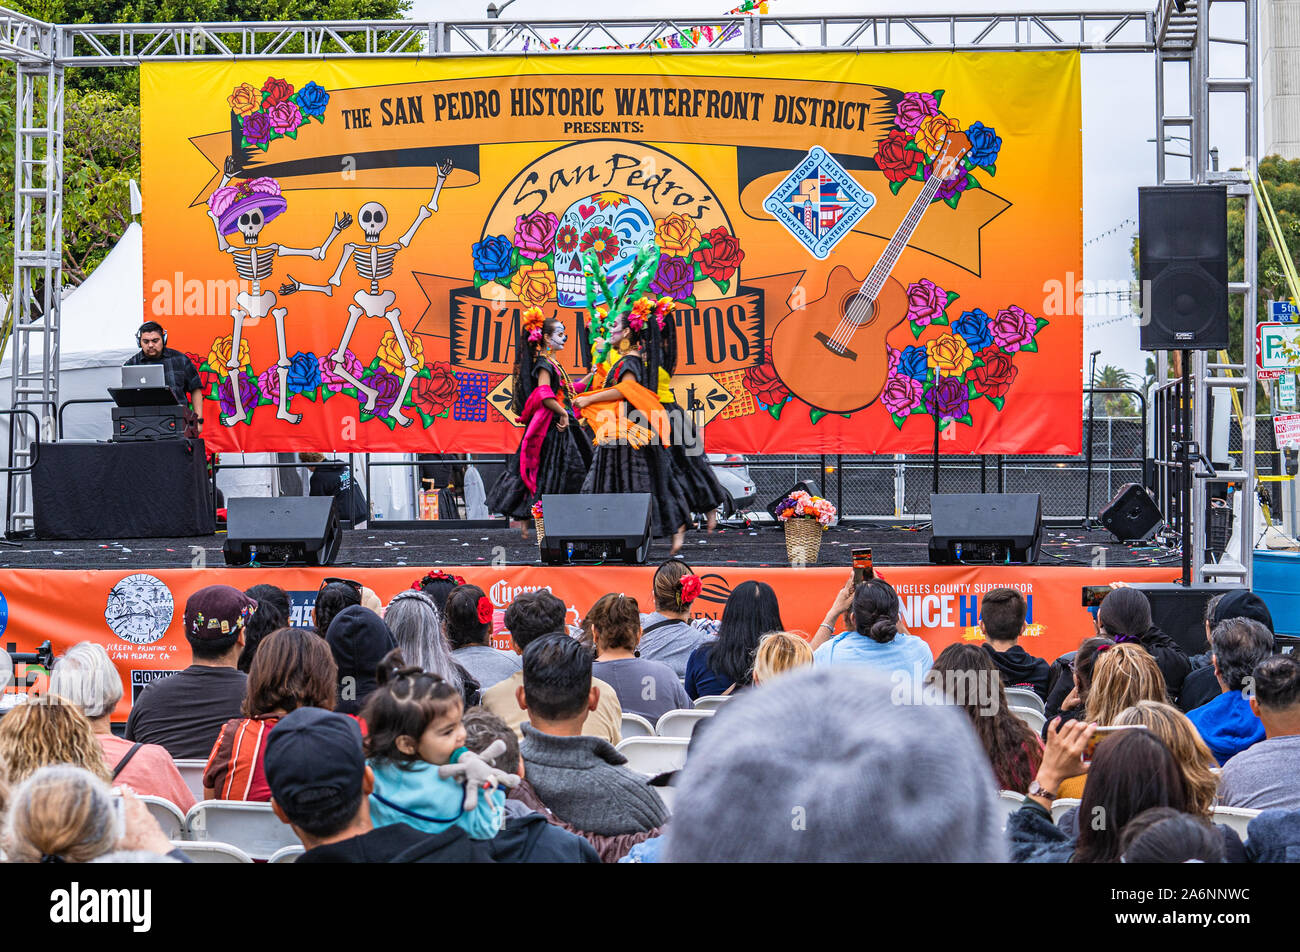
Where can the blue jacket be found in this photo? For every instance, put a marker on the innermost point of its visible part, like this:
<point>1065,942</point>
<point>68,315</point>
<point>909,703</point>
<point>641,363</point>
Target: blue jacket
<point>417,796</point>
<point>1227,725</point>
<point>1274,837</point>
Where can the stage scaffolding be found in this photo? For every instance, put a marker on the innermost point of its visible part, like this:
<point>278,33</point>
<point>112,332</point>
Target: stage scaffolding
<point>1178,32</point>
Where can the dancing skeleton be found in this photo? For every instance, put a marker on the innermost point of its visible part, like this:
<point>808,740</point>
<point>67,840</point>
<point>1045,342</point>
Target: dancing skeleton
<point>247,209</point>
<point>374,263</point>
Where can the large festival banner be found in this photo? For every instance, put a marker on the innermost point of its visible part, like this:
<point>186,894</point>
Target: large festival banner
<point>864,246</point>
<point>137,614</point>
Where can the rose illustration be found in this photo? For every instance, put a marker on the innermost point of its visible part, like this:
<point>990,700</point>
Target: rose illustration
<point>1012,328</point>
<point>285,117</point>
<point>248,394</point>
<point>390,353</point>
<point>535,233</point>
<point>914,363</point>
<point>901,394</point>
<point>894,356</point>
<point>601,242</point>
<point>950,355</point>
<point>763,382</point>
<point>492,257</point>
<point>973,327</point>
<point>949,187</point>
<point>933,130</point>
<point>312,99</point>
<point>914,109</point>
<point>244,100</point>
<point>435,393</point>
<point>566,240</point>
<point>268,381</point>
<point>257,128</point>
<point>277,91</point>
<point>676,235</point>
<point>925,302</point>
<point>994,379</point>
<point>894,158</point>
<point>387,386</point>
<point>332,381</point>
<point>676,277</point>
<point>985,144</point>
<point>948,399</point>
<point>205,376</point>
<point>722,258</point>
<point>219,355</point>
<point>533,284</point>
<point>304,373</point>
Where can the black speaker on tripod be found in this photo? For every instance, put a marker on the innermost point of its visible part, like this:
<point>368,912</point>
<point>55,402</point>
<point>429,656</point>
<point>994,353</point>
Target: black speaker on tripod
<point>1183,265</point>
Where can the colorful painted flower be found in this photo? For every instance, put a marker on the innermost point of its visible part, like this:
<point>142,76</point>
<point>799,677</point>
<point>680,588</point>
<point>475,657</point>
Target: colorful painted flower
<point>973,327</point>
<point>914,362</point>
<point>304,373</point>
<point>601,242</point>
<point>933,131</point>
<point>276,91</point>
<point>533,284</point>
<point>763,382</point>
<point>206,377</point>
<point>676,235</point>
<point>948,399</point>
<point>390,353</point>
<point>285,117</point>
<point>925,302</point>
<point>949,187</point>
<point>492,257</point>
<point>894,158</point>
<point>312,99</point>
<point>248,394</point>
<point>566,240</point>
<point>219,355</point>
<point>437,392</point>
<point>535,233</point>
<point>330,380</point>
<point>997,375</point>
<point>244,100</point>
<point>268,381</point>
<point>949,355</point>
<point>901,395</point>
<point>913,109</point>
<point>387,385</point>
<point>257,128</point>
<point>723,256</point>
<point>985,144</point>
<point>1012,328</point>
<point>675,278</point>
<point>610,199</point>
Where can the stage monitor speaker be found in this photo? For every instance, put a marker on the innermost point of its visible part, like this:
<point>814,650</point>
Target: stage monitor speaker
<point>807,485</point>
<point>1132,516</point>
<point>289,530</point>
<point>1179,610</point>
<point>1183,266</point>
<point>595,527</point>
<point>985,528</point>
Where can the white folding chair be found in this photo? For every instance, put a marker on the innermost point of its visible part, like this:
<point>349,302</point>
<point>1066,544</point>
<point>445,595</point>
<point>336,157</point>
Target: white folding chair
<point>1009,802</point>
<point>192,774</point>
<point>712,702</point>
<point>1238,818</point>
<point>252,827</point>
<point>1023,697</point>
<point>1063,806</point>
<point>654,755</point>
<point>212,852</point>
<point>287,854</point>
<point>680,723</point>
<point>634,725</point>
<point>1033,718</point>
<point>168,815</point>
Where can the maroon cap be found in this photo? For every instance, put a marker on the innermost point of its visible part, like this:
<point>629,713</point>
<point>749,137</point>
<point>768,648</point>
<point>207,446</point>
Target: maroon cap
<point>214,612</point>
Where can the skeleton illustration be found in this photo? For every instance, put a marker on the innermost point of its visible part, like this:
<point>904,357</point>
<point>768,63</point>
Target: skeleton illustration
<point>246,209</point>
<point>374,263</point>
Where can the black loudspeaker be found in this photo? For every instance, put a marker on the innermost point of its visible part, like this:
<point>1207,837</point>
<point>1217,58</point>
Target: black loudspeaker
<point>1132,516</point>
<point>290,530</point>
<point>1179,610</point>
<point>807,485</point>
<point>1183,265</point>
<point>132,424</point>
<point>597,527</point>
<point>987,528</point>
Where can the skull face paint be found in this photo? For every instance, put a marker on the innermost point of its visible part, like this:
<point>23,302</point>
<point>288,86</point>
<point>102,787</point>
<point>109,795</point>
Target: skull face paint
<point>558,337</point>
<point>372,218</point>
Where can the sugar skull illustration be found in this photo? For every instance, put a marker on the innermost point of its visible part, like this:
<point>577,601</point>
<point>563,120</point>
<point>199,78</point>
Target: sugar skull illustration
<point>610,225</point>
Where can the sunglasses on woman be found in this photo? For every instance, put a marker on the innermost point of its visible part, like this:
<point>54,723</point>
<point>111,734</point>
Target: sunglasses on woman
<point>342,581</point>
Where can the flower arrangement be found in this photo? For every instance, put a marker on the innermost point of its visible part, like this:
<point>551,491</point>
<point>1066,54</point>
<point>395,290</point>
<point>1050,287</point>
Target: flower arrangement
<point>437,575</point>
<point>801,504</point>
<point>537,509</point>
<point>276,111</point>
<point>908,150</point>
<point>533,319</point>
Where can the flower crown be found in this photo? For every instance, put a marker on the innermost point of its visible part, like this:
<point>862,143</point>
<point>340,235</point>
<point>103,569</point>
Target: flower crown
<point>533,321</point>
<point>438,576</point>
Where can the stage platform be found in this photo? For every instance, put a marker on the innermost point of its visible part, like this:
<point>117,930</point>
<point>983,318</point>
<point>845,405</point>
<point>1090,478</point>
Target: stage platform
<point>731,545</point>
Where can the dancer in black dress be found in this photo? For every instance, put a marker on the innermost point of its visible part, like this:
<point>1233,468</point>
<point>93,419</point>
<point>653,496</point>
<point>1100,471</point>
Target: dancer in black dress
<point>553,454</point>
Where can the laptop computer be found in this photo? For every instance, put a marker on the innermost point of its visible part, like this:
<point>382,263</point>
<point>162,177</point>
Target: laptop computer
<point>143,385</point>
<point>143,375</point>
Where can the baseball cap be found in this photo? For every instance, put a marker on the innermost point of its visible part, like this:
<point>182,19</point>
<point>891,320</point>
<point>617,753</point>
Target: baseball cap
<point>314,761</point>
<point>1242,603</point>
<point>214,612</point>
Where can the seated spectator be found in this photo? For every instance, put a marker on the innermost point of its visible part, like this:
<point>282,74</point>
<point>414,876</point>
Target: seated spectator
<point>272,613</point>
<point>583,779</point>
<point>66,814</point>
<point>416,625</point>
<point>648,688</point>
<point>822,765</point>
<point>1070,702</point>
<point>1163,835</point>
<point>529,617</point>
<point>725,665</point>
<point>438,585</point>
<point>1202,685</point>
<point>970,679</point>
<point>184,712</point>
<point>528,834</point>
<point>595,616</point>
<point>1125,615</point>
<point>359,639</point>
<point>48,730</point>
<point>779,651</point>
<point>87,678</point>
<point>469,631</point>
<point>874,638</point>
<point>414,724</point>
<point>320,786</point>
<point>667,634</point>
<point>1266,776</point>
<point>331,599</point>
<point>292,669</point>
<point>1002,619</point>
<point>1131,771</point>
<point>1227,724</point>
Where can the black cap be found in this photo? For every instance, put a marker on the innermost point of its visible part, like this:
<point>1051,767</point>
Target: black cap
<point>1242,603</point>
<point>314,761</point>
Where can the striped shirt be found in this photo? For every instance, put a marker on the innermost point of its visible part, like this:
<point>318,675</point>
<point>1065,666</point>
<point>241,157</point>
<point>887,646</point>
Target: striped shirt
<point>234,770</point>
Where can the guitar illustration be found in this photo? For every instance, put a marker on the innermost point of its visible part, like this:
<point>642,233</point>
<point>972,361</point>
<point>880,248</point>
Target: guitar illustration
<point>832,354</point>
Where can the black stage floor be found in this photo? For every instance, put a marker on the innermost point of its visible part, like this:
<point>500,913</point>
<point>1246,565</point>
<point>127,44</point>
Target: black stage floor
<point>735,544</point>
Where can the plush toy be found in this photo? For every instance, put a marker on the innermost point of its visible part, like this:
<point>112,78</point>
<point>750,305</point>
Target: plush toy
<point>475,771</point>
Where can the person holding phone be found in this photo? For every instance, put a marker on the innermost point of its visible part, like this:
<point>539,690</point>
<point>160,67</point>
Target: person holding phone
<point>877,637</point>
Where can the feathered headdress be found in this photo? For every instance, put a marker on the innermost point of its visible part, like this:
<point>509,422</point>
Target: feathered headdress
<point>645,316</point>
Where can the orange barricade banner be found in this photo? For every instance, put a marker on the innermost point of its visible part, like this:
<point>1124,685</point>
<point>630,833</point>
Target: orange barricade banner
<point>137,613</point>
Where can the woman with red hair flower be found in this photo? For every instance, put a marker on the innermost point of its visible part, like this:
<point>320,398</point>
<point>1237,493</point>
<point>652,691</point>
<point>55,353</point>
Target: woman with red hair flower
<point>667,634</point>
<point>469,630</point>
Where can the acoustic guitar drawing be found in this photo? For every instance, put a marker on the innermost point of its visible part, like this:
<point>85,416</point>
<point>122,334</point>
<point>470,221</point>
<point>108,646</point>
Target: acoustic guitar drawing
<point>832,354</point>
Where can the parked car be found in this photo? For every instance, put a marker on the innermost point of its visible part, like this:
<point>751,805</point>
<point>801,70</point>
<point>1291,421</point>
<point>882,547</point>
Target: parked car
<point>732,472</point>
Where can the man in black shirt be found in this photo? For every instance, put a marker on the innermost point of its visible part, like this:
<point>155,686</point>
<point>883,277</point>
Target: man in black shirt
<point>1002,619</point>
<point>334,478</point>
<point>179,372</point>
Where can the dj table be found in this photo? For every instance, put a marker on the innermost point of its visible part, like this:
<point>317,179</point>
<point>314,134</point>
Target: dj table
<point>137,490</point>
